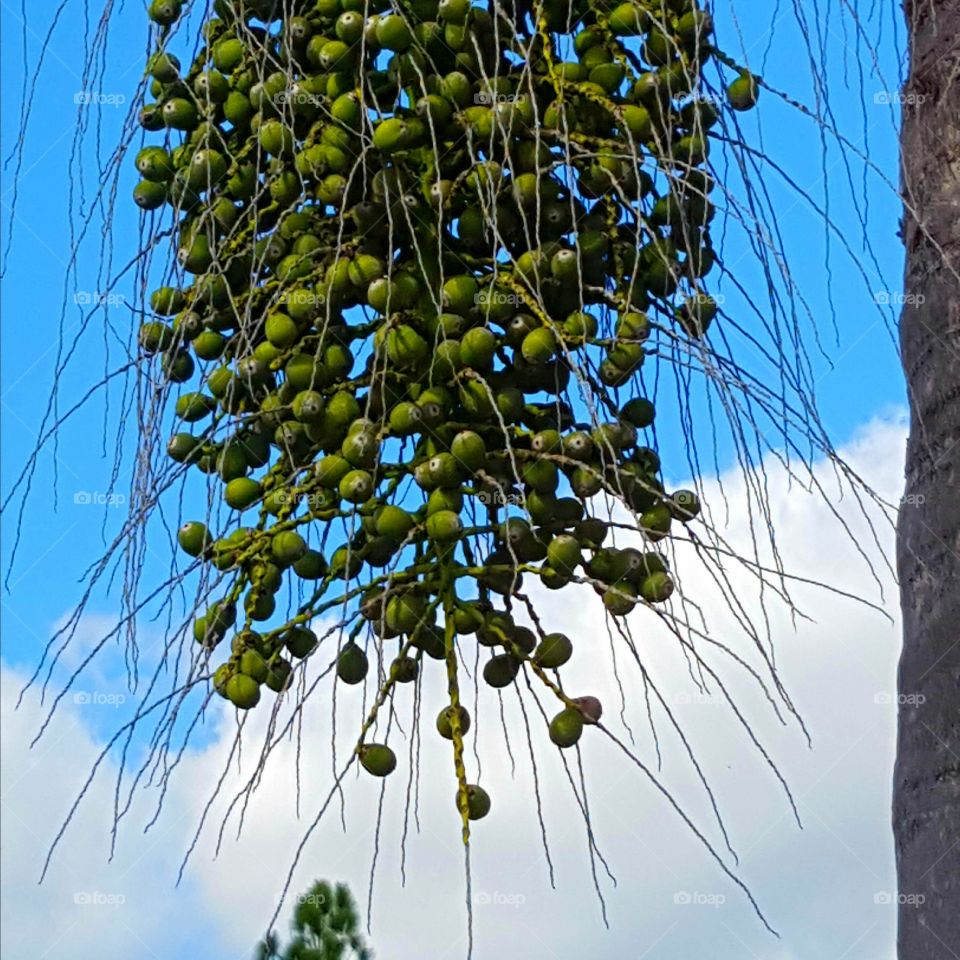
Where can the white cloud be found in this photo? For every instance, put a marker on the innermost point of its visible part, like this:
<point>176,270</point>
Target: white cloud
<point>816,886</point>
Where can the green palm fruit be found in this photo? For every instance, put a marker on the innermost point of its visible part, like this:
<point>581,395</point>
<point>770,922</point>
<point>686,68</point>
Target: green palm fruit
<point>591,532</point>
<point>405,612</point>
<point>211,87</point>
<point>182,447</point>
<point>453,11</point>
<point>179,114</point>
<point>540,476</point>
<point>276,138</point>
<point>227,54</point>
<point>335,55</point>
<point>342,409</point>
<point>231,463</point>
<point>639,411</point>
<point>697,313</point>
<point>220,678</point>
<point>287,547</point>
<point>164,67</point>
<point>300,641</point>
<point>444,526</point>
<point>457,88</point>
<point>501,670</point>
<point>208,634</point>
<point>247,639</point>
<point>579,327</point>
<point>566,727</point>
<point>148,195</point>
<point>430,639</point>
<point>195,406</point>
<point>509,403</point>
<point>242,691</point>
<point>657,587</point>
<point>445,724</point>
<point>193,538</point>
<point>253,665</point>
<point>539,345</point>
<point>238,111</point>
<point>684,505</point>
<point>524,640</point>
<point>501,574</point>
<point>392,135</point>
<point>242,492</point>
<point>155,337</point>
<point>551,579</point>
<point>436,111</point>
<point>285,189</point>
<point>565,265</point>
<point>628,20</point>
<point>278,500</point>
<point>364,268</point>
<point>546,442</point>
<point>477,348</point>
<point>553,651</point>
<point>468,617</point>
<point>608,76</point>
<point>308,406</point>
<point>303,373</point>
<point>361,448</point>
<point>541,506</point>
<point>478,802</point>
<point>394,522</point>
<point>255,448</point>
<point>446,360</point>
<point>620,598</point>
<point>393,33</point>
<point>330,470</point>
<point>167,301</point>
<point>155,164</point>
<point>278,675</point>
<point>352,664</point>
<point>311,566</point>
<point>356,486</point>
<point>151,117</point>
<point>337,361</point>
<point>655,522</point>
<point>405,347</point>
<point>379,551</point>
<point>377,759</point>
<point>568,511</point>
<point>743,93</point>
<point>195,255</point>
<point>267,576</point>
<point>349,27</point>
<point>209,345</point>
<point>636,118</point>
<point>164,12</point>
<point>459,294</point>
<point>444,470</point>
<point>383,295</point>
<point>469,451</point>
<point>563,554</point>
<point>497,629</point>
<point>405,418</point>
<point>404,669</point>
<point>578,446</point>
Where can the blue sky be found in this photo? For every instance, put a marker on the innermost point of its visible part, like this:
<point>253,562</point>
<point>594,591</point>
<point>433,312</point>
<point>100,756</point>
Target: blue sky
<point>859,383</point>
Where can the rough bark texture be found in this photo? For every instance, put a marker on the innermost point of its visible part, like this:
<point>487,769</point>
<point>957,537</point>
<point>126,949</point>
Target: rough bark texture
<point>926,801</point>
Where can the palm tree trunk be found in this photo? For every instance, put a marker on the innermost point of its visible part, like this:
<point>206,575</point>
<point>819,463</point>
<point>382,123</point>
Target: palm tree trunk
<point>926,798</point>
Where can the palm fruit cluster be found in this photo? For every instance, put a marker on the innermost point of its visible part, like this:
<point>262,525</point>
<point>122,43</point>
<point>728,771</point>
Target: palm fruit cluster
<point>423,251</point>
